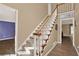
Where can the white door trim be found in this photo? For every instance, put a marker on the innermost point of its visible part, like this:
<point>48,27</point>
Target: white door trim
<point>16,31</point>
<point>49,9</point>
<point>60,31</point>
<point>73,32</point>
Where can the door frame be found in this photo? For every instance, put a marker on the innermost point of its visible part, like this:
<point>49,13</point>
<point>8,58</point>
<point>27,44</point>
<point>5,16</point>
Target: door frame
<point>16,31</point>
<point>73,31</point>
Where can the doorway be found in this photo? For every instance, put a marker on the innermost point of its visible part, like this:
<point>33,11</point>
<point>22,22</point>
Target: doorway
<point>7,30</point>
<point>67,29</point>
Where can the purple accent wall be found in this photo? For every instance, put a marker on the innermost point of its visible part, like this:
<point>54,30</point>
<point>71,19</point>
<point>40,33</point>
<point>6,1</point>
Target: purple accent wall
<point>7,29</point>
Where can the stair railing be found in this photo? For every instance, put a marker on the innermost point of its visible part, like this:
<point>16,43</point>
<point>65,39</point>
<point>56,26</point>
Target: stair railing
<point>37,40</point>
<point>38,32</point>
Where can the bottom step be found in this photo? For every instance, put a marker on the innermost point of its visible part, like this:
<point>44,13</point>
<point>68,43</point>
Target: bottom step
<point>24,53</point>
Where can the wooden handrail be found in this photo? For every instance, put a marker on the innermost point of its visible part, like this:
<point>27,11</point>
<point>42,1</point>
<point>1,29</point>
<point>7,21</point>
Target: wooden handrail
<point>63,4</point>
<point>54,10</point>
<point>38,33</point>
<point>46,19</point>
<point>60,4</point>
<point>44,22</point>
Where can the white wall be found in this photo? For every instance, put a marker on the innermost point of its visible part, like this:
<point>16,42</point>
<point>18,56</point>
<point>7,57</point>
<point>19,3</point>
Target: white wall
<point>7,13</point>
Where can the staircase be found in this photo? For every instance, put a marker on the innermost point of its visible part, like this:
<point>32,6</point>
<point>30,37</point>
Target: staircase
<point>35,45</point>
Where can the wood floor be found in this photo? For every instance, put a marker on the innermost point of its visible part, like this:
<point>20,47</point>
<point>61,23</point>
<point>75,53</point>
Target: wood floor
<point>7,47</point>
<point>64,49</point>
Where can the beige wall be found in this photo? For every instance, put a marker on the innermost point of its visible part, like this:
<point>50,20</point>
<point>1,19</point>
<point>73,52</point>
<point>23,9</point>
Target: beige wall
<point>77,25</point>
<point>29,15</point>
<point>66,29</point>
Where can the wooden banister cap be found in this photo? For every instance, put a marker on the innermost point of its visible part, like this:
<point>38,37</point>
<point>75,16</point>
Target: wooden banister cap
<point>37,33</point>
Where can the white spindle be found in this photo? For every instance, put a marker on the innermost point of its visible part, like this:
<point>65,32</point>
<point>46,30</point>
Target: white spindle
<point>35,37</point>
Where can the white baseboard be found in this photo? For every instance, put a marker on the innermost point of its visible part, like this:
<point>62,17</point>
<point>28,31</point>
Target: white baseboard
<point>59,42</point>
<point>7,38</point>
<point>76,50</point>
<point>55,43</point>
<point>67,35</point>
